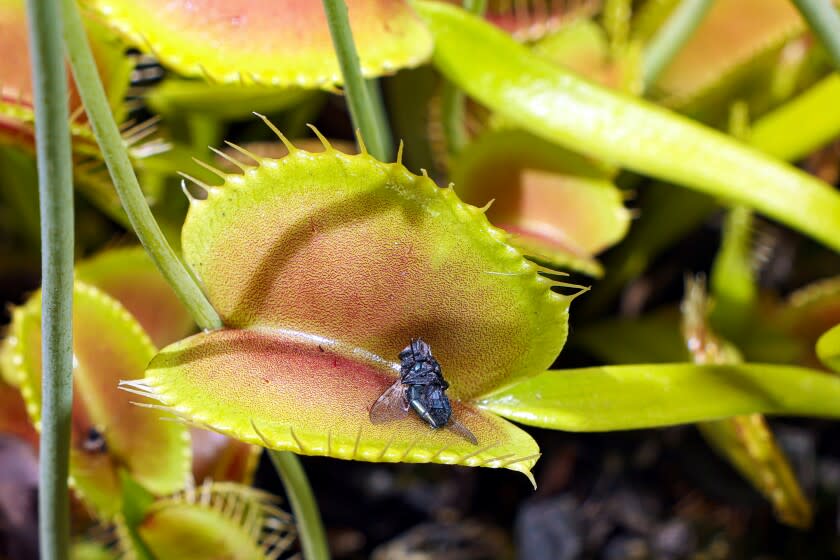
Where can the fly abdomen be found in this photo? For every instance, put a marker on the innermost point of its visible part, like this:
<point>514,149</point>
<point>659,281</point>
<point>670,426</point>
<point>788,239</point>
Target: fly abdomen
<point>430,403</point>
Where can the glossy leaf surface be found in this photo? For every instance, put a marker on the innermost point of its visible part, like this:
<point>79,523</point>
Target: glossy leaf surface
<point>649,395</point>
<point>108,432</point>
<point>574,113</point>
<point>268,42</point>
<point>810,114</point>
<point>828,348</point>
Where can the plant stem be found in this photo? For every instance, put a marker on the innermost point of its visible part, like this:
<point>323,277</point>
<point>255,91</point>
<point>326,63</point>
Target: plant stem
<point>616,17</point>
<point>125,181</point>
<point>150,235</point>
<point>55,187</point>
<point>367,117</point>
<point>477,7</point>
<point>824,20</point>
<point>452,99</point>
<point>313,540</point>
<point>671,37</point>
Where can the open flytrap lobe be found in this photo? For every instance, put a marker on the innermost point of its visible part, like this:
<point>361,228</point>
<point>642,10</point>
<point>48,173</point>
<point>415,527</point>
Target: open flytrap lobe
<point>267,42</point>
<point>109,434</point>
<point>322,266</point>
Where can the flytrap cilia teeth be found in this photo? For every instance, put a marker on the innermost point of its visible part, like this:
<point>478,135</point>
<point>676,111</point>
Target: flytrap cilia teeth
<point>109,434</point>
<point>214,520</point>
<point>322,266</point>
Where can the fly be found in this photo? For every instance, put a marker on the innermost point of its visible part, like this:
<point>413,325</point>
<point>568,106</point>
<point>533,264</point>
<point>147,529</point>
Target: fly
<point>422,388</point>
<point>94,441</point>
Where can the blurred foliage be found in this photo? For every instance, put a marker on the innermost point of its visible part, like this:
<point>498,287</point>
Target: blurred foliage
<point>727,164</point>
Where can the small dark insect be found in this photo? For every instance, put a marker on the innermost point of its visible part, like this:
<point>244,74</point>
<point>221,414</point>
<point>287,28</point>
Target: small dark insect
<point>421,387</point>
<point>94,441</point>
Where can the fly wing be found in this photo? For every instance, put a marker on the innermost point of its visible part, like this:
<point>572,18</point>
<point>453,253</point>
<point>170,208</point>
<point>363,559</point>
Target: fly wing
<point>462,431</point>
<point>391,406</point>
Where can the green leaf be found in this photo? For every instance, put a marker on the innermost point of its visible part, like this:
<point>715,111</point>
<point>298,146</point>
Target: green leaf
<point>813,115</point>
<point>225,101</point>
<point>650,395</point>
<point>563,108</point>
<point>733,274</point>
<point>828,348</point>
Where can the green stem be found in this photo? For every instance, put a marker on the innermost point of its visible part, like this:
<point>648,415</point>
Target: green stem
<point>452,100</point>
<point>824,20</point>
<point>313,540</point>
<point>147,229</point>
<point>452,117</point>
<point>671,37</point>
<point>55,187</point>
<point>125,181</point>
<point>367,117</point>
<point>616,18</point>
<point>477,7</point>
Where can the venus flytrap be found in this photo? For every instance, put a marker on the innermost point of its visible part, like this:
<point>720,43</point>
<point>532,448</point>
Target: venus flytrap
<point>285,43</point>
<point>212,521</point>
<point>99,469</point>
<point>558,207</point>
<point>322,267</point>
<point>108,345</point>
<point>637,135</point>
<point>745,441</point>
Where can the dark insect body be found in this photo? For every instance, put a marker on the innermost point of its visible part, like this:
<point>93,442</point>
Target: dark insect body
<point>422,388</point>
<point>94,441</point>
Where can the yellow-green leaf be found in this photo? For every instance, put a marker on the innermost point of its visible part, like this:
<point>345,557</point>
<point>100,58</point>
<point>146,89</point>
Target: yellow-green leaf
<point>579,115</point>
<point>649,395</point>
